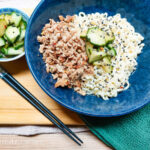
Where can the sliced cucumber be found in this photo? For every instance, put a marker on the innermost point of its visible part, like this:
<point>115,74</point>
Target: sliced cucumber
<point>98,63</point>
<point>89,48</point>
<point>106,49</point>
<point>12,51</point>
<point>18,45</point>
<point>2,55</point>
<point>5,37</point>
<point>2,42</point>
<point>112,52</point>
<point>103,62</point>
<point>12,33</point>
<point>107,64</point>
<point>3,25</point>
<point>4,51</point>
<point>8,19</point>
<point>6,45</point>
<point>109,38</point>
<point>83,34</point>
<point>22,35</point>
<point>16,19</point>
<point>23,24</point>
<point>107,60</point>
<point>110,45</point>
<point>96,36</point>
<point>95,56</point>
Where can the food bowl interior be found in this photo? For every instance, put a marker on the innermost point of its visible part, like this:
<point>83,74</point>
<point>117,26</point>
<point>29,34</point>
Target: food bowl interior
<point>25,17</point>
<point>136,12</point>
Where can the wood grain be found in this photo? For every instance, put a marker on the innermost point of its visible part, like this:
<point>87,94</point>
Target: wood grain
<point>16,110</point>
<point>50,142</point>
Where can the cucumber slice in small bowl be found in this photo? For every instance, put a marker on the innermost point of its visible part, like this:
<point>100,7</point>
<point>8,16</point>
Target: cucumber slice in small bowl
<point>8,19</point>
<point>8,45</point>
<point>11,51</point>
<point>22,34</point>
<point>18,44</point>
<point>12,33</point>
<point>16,19</point>
<point>2,42</point>
<point>2,55</point>
<point>3,50</point>
<point>23,24</point>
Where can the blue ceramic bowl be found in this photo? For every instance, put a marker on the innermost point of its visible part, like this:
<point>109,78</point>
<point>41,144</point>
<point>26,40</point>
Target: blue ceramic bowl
<point>25,17</point>
<point>136,12</point>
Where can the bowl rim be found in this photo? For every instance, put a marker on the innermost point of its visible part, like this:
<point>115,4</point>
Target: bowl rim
<point>26,17</point>
<point>133,109</point>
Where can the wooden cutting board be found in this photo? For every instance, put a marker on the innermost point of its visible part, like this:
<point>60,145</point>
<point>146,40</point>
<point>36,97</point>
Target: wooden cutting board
<point>15,110</point>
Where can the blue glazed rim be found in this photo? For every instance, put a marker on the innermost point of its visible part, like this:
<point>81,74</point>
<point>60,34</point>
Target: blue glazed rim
<point>56,99</point>
<point>25,17</point>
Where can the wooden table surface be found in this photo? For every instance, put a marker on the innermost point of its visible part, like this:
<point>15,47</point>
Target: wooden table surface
<point>15,110</point>
<point>45,141</point>
<point>50,142</point>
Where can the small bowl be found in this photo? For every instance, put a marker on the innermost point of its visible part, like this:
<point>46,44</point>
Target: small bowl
<point>25,17</point>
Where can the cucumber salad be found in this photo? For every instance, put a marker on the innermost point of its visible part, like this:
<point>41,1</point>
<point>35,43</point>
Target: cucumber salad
<point>12,33</point>
<point>99,47</point>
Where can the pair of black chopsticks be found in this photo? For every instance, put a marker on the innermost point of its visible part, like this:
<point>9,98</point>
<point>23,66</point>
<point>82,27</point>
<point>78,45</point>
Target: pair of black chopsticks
<point>38,105</point>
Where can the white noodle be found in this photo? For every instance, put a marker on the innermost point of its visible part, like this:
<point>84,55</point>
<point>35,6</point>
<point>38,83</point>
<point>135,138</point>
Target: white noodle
<point>127,44</point>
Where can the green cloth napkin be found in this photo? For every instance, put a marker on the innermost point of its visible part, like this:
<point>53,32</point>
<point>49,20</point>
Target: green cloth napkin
<point>129,132</point>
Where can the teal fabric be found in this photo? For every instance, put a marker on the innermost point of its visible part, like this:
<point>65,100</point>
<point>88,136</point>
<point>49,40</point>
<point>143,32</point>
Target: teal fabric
<point>130,132</point>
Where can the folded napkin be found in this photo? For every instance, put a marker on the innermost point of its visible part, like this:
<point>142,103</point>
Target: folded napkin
<point>129,132</point>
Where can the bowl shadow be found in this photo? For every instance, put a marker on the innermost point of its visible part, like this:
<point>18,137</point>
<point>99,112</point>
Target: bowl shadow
<point>16,66</point>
